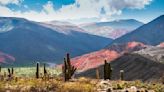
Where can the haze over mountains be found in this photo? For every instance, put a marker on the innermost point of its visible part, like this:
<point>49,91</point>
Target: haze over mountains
<point>113,29</point>
<point>150,33</point>
<point>28,41</point>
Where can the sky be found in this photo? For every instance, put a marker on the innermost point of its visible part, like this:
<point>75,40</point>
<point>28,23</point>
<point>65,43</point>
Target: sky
<point>82,11</point>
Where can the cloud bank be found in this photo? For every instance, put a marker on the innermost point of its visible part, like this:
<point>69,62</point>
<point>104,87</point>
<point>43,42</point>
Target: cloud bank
<point>101,9</point>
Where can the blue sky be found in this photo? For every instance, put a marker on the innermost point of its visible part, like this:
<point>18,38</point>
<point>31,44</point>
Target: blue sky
<point>80,11</point>
<point>155,9</point>
<point>37,5</point>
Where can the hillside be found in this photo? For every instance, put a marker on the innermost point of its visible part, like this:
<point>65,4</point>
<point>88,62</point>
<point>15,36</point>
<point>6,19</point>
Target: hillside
<point>95,59</point>
<point>135,66</point>
<point>28,41</point>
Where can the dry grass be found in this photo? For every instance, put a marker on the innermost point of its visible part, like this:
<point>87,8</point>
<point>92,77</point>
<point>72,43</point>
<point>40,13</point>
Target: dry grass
<point>76,85</point>
<point>54,85</point>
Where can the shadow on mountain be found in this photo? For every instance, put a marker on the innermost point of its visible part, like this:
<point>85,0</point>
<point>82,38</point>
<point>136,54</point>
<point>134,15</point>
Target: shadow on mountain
<point>135,66</point>
<point>29,42</point>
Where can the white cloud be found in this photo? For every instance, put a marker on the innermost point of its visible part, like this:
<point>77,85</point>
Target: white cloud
<point>6,2</point>
<point>80,9</point>
<point>49,7</point>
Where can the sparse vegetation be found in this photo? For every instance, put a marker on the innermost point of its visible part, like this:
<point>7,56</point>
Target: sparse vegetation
<point>30,71</point>
<point>75,85</point>
<point>46,79</point>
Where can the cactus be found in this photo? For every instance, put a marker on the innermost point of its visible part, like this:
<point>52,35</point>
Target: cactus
<point>121,74</point>
<point>107,70</point>
<point>37,70</point>
<point>97,73</point>
<point>68,60</point>
<point>45,71</point>
<point>12,71</point>
<point>68,69</point>
<point>9,72</point>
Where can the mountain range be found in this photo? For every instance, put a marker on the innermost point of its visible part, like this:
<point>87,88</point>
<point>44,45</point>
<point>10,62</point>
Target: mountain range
<point>145,36</point>
<point>28,41</point>
<point>142,60</point>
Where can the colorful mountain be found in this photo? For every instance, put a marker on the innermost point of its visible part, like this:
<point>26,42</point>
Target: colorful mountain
<point>97,58</point>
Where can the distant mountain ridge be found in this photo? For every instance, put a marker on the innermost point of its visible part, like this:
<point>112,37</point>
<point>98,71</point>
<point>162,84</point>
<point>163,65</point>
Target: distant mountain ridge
<point>29,41</point>
<point>150,33</point>
<point>59,23</point>
<point>112,29</point>
<point>62,27</point>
